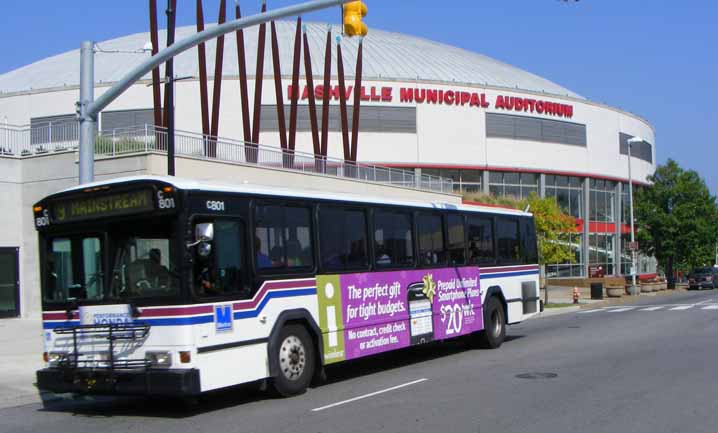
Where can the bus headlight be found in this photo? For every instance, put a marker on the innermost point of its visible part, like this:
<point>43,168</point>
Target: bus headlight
<point>158,359</point>
<point>56,358</point>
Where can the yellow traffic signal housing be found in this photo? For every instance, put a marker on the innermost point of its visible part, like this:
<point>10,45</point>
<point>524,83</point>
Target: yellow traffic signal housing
<point>354,11</point>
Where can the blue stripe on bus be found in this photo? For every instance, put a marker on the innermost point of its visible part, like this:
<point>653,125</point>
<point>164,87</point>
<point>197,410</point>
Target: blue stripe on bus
<point>508,274</point>
<point>208,318</point>
<point>278,294</point>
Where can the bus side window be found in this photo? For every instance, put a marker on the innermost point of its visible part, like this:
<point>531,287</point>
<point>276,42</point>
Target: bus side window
<point>430,232</point>
<point>457,239</point>
<point>528,236</point>
<point>481,240</point>
<point>509,243</point>
<point>393,240</point>
<point>283,237</point>
<point>343,238</point>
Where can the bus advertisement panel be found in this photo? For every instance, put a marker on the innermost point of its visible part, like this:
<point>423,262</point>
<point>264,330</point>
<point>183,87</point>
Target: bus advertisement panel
<point>364,314</point>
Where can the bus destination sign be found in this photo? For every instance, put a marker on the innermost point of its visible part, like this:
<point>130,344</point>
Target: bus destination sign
<point>83,208</point>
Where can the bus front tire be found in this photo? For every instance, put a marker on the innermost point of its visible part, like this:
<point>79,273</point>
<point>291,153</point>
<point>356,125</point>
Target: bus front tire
<point>494,325</point>
<point>295,359</point>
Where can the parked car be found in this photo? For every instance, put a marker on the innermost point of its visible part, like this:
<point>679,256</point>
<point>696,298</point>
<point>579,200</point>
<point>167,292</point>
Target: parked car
<point>703,278</point>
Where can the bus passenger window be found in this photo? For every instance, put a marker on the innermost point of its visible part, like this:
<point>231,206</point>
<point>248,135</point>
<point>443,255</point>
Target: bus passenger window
<point>393,243</point>
<point>342,238</point>
<point>528,236</point>
<point>283,237</point>
<point>457,242</point>
<point>431,240</point>
<point>507,234</point>
<point>481,240</point>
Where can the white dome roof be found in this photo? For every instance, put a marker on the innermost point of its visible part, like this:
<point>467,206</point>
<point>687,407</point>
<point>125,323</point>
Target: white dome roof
<point>387,55</point>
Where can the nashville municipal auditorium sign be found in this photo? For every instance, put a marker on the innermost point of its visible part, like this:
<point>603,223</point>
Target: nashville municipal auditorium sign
<point>443,97</point>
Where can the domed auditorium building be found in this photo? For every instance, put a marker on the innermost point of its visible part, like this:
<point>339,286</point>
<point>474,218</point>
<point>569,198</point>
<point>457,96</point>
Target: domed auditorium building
<point>426,108</point>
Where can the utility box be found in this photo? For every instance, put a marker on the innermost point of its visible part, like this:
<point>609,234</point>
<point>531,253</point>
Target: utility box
<point>596,290</point>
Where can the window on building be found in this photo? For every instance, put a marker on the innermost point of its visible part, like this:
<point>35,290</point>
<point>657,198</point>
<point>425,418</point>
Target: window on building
<point>642,150</point>
<point>457,239</point>
<point>54,129</point>
<point>481,240</point>
<point>393,240</point>
<point>568,192</point>
<point>283,237</point>
<point>430,231</point>
<point>508,240</point>
<point>343,238</point>
<point>535,129</point>
<point>126,119</point>
<point>465,181</point>
<point>373,118</point>
<point>518,185</point>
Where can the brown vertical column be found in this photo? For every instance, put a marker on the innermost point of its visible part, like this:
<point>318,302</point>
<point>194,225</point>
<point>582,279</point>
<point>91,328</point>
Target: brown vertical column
<point>343,102</point>
<point>154,37</point>
<point>312,102</point>
<point>278,88</point>
<point>217,94</point>
<point>243,92</point>
<point>357,102</point>
<point>202,58</point>
<point>325,97</point>
<point>168,79</point>
<point>295,94</point>
<point>258,78</point>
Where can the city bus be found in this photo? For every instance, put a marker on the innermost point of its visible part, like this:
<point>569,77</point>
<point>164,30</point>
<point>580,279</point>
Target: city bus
<point>173,287</point>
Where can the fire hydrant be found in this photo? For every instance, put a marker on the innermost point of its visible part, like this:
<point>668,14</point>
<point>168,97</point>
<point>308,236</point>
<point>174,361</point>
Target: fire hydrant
<point>576,295</point>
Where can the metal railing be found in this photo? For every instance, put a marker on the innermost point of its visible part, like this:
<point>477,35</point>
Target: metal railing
<point>27,141</point>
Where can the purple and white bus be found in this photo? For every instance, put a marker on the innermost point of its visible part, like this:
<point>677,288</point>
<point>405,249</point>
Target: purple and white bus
<point>165,286</point>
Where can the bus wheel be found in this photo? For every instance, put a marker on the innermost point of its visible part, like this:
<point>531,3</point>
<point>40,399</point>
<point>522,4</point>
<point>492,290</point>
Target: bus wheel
<point>494,325</point>
<point>295,360</point>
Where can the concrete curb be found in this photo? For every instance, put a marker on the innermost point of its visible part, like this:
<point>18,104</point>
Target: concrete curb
<point>548,312</point>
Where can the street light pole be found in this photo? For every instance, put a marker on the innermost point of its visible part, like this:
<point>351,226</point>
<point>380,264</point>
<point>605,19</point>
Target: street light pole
<point>630,199</point>
<point>170,94</point>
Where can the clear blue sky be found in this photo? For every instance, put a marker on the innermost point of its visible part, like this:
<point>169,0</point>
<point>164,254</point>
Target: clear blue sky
<point>655,58</point>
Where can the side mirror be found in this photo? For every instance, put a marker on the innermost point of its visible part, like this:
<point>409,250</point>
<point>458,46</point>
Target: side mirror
<point>204,232</point>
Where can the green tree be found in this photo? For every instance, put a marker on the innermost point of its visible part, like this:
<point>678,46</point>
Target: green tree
<point>552,225</point>
<point>677,219</point>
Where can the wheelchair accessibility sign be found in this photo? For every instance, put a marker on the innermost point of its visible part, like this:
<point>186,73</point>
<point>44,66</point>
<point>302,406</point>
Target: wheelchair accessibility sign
<point>223,318</point>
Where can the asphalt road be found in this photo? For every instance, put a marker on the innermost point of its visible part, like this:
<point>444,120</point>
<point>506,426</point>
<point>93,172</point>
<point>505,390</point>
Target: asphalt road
<point>643,367</point>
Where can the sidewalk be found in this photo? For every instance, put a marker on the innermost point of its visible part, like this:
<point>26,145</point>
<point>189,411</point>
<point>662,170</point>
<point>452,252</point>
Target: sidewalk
<point>564,295</point>
<point>20,356</point>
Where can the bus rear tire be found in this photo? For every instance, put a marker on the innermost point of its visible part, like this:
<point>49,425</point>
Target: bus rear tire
<point>295,359</point>
<point>494,325</point>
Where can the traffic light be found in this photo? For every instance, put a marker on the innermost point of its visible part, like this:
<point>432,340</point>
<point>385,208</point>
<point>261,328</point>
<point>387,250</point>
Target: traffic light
<point>354,11</point>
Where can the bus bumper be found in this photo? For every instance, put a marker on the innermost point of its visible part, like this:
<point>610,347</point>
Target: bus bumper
<point>174,383</point>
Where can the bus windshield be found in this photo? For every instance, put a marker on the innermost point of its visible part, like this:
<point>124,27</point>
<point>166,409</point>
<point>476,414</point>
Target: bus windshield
<point>140,257</point>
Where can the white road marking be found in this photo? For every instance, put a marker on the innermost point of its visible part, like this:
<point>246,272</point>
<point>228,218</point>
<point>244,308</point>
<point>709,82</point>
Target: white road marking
<point>393,388</point>
<point>652,308</point>
<point>620,310</point>
<point>710,307</point>
<point>681,307</point>
<point>704,302</point>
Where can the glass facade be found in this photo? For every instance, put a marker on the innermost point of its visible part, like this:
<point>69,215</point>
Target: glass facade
<point>601,243</point>
<point>606,219</point>
<point>465,181</point>
<point>519,185</point>
<point>568,193</point>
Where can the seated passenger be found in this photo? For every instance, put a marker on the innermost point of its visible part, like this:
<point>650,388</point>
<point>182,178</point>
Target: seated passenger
<point>263,260</point>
